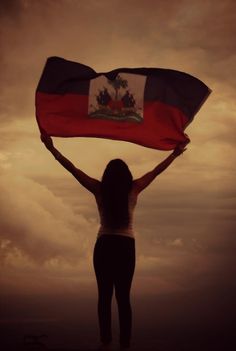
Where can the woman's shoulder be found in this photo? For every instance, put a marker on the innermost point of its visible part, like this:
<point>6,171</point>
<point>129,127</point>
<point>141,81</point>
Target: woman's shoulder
<point>135,188</point>
<point>134,192</point>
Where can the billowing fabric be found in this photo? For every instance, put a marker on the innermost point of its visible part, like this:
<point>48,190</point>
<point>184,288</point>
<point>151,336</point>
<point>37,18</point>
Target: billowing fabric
<point>147,106</point>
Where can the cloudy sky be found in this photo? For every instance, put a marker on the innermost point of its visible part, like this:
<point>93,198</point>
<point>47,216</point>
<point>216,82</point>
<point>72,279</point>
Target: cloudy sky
<point>185,221</point>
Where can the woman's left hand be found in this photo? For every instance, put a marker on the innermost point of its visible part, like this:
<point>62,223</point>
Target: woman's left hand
<point>47,140</point>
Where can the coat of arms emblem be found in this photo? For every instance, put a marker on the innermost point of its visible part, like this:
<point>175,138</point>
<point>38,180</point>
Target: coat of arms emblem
<point>120,99</point>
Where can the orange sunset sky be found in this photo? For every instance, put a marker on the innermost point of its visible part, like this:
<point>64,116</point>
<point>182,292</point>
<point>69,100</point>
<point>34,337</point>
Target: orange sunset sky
<point>185,221</point>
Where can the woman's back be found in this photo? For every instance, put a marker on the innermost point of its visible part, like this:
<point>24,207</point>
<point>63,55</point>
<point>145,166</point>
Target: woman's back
<point>116,199</point>
<point>122,229</point>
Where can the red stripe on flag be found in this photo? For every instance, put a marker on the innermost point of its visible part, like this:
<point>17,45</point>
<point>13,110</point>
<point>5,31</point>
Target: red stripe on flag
<point>67,116</point>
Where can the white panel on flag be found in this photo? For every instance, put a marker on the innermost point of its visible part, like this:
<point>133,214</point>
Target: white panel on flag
<point>120,99</point>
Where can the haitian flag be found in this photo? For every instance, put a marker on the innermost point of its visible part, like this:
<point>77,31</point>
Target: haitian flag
<point>147,106</point>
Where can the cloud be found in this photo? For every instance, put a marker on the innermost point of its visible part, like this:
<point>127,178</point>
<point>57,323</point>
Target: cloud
<point>178,242</point>
<point>184,221</point>
<point>37,224</point>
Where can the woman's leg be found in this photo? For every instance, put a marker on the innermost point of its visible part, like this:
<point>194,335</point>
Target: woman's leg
<point>105,283</point>
<point>125,266</point>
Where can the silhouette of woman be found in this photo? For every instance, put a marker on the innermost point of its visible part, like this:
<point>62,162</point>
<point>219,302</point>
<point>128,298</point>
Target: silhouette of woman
<point>114,252</point>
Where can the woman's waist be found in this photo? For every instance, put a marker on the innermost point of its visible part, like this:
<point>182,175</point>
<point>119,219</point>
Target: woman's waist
<point>128,231</point>
<point>115,240</point>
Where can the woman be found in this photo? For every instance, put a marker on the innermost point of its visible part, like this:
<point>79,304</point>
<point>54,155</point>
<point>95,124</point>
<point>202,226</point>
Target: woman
<point>114,253</point>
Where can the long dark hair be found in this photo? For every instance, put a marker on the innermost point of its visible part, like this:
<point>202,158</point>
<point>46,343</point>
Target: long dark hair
<point>116,185</point>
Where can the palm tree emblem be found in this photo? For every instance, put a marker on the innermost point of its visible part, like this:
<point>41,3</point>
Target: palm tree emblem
<point>117,84</point>
<point>115,101</point>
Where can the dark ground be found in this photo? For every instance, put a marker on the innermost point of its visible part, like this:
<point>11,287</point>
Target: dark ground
<point>164,323</point>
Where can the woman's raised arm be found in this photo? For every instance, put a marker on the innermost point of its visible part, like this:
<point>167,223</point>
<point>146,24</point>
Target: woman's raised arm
<point>141,183</point>
<point>89,183</point>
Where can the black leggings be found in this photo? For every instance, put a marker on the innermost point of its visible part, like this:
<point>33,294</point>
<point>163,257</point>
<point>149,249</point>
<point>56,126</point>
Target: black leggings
<point>114,263</point>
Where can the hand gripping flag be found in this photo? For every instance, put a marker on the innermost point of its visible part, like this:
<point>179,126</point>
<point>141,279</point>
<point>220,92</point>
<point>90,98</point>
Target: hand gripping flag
<point>147,106</point>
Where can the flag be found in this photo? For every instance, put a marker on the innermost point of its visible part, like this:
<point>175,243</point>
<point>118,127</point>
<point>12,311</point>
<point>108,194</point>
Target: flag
<point>147,106</point>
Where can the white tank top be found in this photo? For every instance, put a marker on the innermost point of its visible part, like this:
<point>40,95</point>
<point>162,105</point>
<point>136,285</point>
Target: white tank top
<point>127,230</point>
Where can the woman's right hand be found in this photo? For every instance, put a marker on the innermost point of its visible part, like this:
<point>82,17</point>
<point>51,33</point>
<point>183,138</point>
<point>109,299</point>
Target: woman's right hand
<point>47,140</point>
<point>179,149</point>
